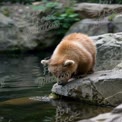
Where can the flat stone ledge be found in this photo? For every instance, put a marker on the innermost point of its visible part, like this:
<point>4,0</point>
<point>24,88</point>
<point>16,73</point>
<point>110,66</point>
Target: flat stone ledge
<point>102,87</point>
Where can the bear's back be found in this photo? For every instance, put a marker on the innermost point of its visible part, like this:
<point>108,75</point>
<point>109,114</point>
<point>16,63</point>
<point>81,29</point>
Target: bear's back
<point>79,40</point>
<point>78,48</point>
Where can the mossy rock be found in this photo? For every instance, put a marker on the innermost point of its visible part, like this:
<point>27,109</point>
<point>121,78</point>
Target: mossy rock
<point>54,96</point>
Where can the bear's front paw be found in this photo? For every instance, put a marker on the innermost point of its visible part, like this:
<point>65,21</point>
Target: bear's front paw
<point>71,79</point>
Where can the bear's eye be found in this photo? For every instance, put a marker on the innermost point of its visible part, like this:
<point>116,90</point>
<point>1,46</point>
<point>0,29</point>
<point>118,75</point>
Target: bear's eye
<point>66,65</point>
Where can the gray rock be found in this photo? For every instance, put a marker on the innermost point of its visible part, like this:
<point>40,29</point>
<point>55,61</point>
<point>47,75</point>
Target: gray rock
<point>94,27</point>
<point>92,10</point>
<point>5,20</point>
<point>118,67</point>
<point>109,48</point>
<point>102,87</point>
<point>109,23</point>
<point>25,29</point>
<point>12,37</point>
<point>98,12</point>
<point>114,116</point>
<point>118,23</point>
<point>100,20</point>
<point>8,33</point>
<point>90,27</point>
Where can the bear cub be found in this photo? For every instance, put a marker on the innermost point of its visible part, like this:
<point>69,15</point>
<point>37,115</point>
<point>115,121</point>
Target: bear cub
<point>75,55</point>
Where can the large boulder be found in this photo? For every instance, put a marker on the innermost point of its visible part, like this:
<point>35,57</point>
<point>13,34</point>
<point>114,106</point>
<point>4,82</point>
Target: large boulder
<point>114,116</point>
<point>5,21</point>
<point>12,37</point>
<point>93,10</point>
<point>8,33</point>
<point>25,29</point>
<point>97,19</point>
<point>101,87</point>
<point>119,66</point>
<point>94,27</point>
<point>90,27</point>
<point>117,20</point>
<point>109,48</point>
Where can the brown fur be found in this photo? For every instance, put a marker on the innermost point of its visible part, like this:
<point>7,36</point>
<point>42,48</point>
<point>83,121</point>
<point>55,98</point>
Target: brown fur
<point>75,47</point>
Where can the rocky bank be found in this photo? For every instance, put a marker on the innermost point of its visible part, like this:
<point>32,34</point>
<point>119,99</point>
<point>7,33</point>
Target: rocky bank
<point>23,28</point>
<point>105,85</point>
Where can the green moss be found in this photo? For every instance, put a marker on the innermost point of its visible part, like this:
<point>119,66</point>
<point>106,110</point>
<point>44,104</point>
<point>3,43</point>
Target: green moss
<point>56,12</point>
<point>54,96</point>
<point>5,11</point>
<point>111,17</point>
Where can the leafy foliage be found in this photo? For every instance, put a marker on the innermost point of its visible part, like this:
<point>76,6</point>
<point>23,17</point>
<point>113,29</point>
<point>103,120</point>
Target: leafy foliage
<point>47,6</point>
<point>111,17</point>
<point>66,18</point>
<point>57,12</point>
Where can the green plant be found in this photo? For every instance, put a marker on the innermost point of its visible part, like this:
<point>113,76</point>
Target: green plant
<point>111,17</point>
<point>46,6</point>
<point>57,12</point>
<point>5,11</point>
<point>66,18</point>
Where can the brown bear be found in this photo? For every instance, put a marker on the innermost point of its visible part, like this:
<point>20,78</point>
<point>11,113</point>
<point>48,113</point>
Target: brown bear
<point>75,55</point>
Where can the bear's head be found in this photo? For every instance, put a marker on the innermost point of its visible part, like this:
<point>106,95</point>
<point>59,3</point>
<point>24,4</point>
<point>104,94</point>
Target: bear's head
<point>63,69</point>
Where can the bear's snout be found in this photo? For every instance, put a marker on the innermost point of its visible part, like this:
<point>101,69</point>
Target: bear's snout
<point>62,83</point>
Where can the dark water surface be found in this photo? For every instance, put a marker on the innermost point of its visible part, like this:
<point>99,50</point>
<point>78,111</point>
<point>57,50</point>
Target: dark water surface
<point>24,97</point>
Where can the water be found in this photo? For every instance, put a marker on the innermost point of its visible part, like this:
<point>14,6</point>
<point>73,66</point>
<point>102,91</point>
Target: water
<point>23,97</point>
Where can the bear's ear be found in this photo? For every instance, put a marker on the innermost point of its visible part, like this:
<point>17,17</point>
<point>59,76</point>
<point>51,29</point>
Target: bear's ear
<point>45,62</point>
<point>69,62</point>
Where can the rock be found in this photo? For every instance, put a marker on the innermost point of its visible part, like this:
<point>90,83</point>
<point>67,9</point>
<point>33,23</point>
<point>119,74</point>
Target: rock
<point>114,116</point>
<point>109,48</point>
<point>12,37</point>
<point>53,96</point>
<point>92,10</point>
<point>26,29</point>
<point>90,27</point>
<point>98,19</point>
<point>8,33</point>
<point>94,27</point>
<point>118,23</point>
<point>5,21</point>
<point>102,88</point>
<point>118,67</point>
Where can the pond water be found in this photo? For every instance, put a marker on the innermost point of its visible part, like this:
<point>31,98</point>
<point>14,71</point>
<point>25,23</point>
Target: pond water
<point>24,97</point>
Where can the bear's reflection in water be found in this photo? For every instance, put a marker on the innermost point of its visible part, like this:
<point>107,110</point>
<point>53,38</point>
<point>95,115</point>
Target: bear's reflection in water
<point>73,111</point>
